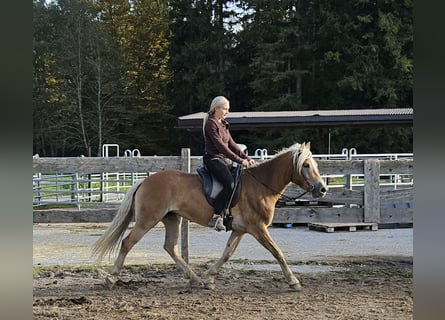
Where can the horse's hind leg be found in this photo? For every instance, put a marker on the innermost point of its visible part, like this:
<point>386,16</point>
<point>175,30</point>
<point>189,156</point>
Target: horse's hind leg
<point>172,222</point>
<point>263,236</point>
<point>232,243</point>
<point>136,234</point>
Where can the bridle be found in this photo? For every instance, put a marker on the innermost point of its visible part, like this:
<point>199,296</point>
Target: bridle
<point>312,187</point>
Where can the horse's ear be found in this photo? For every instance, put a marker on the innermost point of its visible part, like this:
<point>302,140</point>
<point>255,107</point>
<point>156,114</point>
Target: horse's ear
<point>308,145</point>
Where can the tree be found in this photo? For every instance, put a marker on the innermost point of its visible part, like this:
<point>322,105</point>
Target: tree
<point>73,45</point>
<point>364,52</point>
<point>145,43</point>
<point>273,31</point>
<point>103,85</point>
<point>49,118</point>
<point>201,44</point>
<point>108,63</point>
<point>353,54</point>
<point>270,44</point>
<point>119,71</point>
<point>363,58</point>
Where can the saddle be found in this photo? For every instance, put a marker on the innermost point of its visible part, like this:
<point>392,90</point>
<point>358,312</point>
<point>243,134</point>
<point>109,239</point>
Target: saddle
<point>212,187</point>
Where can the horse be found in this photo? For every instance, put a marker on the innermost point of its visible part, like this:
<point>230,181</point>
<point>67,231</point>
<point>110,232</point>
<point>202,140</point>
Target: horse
<point>169,196</point>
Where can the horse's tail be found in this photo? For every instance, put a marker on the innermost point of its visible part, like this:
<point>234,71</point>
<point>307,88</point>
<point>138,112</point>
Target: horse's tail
<point>108,242</point>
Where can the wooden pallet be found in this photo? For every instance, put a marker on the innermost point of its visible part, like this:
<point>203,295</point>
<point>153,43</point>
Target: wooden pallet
<point>348,226</point>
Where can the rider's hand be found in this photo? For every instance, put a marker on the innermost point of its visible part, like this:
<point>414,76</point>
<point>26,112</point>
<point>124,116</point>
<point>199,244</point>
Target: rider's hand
<point>248,163</point>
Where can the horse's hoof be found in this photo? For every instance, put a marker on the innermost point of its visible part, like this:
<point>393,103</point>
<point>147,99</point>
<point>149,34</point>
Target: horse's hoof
<point>195,283</point>
<point>110,282</point>
<point>209,286</point>
<point>295,286</point>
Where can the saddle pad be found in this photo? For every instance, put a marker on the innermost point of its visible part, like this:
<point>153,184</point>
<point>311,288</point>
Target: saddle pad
<point>212,187</point>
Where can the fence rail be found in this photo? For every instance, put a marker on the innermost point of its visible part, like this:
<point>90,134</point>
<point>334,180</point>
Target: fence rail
<point>81,188</point>
<point>364,190</point>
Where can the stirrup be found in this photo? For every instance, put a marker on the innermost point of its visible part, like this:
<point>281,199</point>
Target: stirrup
<point>217,223</point>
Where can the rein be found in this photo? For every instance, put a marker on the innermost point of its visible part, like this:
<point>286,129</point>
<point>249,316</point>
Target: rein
<point>276,192</point>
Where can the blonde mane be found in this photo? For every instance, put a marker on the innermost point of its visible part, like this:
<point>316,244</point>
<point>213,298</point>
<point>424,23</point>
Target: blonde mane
<point>299,153</point>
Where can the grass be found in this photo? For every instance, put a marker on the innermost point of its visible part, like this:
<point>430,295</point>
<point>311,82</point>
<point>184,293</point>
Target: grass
<point>56,206</point>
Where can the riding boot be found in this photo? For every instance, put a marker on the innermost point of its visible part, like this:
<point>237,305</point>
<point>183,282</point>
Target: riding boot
<point>217,223</point>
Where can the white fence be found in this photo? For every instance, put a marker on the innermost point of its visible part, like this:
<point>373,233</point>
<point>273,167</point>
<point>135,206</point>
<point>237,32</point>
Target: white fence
<point>355,181</point>
<point>77,188</point>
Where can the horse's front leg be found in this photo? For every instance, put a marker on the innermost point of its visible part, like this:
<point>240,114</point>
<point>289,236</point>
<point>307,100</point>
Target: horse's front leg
<point>232,244</point>
<point>263,236</point>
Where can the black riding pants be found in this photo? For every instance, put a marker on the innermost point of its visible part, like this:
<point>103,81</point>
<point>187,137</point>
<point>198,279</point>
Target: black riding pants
<point>221,172</point>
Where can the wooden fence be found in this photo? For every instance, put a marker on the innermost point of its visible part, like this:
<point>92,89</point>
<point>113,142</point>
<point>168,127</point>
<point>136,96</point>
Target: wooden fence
<point>371,202</point>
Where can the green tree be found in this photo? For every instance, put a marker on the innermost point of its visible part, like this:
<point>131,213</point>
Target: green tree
<point>72,47</point>
<point>119,71</point>
<point>363,58</point>
<point>143,35</point>
<point>52,115</point>
<point>276,69</point>
<point>364,54</point>
<point>272,46</point>
<point>103,83</point>
<point>350,54</point>
<point>202,40</point>
<point>103,65</point>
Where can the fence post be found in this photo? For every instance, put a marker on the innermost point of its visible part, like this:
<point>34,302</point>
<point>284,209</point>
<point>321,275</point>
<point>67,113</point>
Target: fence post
<point>37,188</point>
<point>371,191</point>
<point>185,166</point>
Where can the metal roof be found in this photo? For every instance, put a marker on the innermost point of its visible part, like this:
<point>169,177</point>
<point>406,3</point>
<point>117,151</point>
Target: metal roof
<point>313,118</point>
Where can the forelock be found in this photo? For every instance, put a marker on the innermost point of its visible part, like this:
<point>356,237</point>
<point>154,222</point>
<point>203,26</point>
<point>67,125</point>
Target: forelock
<point>299,154</point>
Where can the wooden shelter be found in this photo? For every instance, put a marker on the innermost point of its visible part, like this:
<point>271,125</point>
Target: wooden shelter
<point>329,119</point>
<point>305,119</point>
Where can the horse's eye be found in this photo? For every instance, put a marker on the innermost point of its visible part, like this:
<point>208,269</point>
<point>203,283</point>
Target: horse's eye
<point>306,165</point>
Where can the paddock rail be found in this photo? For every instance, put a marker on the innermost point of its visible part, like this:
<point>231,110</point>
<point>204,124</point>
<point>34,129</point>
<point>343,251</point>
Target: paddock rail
<point>359,190</point>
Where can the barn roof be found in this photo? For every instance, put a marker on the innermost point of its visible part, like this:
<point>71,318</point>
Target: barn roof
<point>312,118</point>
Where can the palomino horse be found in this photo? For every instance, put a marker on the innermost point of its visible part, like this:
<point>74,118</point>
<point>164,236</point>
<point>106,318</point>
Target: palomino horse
<point>169,195</point>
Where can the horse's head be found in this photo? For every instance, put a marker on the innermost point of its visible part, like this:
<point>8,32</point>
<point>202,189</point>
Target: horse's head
<point>306,174</point>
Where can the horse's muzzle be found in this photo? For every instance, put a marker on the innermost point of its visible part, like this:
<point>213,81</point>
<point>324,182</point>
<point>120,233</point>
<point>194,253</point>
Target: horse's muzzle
<point>318,191</point>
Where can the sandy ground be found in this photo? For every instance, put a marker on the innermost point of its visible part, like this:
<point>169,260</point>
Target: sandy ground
<point>345,275</point>
<point>367,288</point>
<point>70,244</point>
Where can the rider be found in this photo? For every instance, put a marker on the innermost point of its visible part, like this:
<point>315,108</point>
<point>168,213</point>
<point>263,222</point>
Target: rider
<point>220,151</point>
